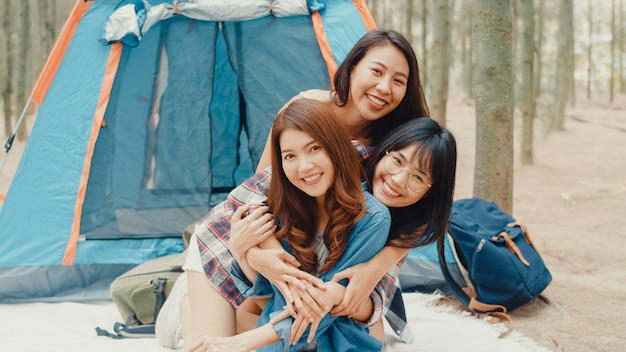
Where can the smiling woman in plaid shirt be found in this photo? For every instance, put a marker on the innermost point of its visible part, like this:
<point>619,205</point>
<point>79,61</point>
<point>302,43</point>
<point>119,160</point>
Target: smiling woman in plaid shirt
<point>214,306</point>
<point>324,219</point>
<point>423,144</point>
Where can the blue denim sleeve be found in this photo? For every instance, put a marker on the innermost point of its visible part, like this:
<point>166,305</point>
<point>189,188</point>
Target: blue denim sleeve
<point>261,287</point>
<point>368,237</point>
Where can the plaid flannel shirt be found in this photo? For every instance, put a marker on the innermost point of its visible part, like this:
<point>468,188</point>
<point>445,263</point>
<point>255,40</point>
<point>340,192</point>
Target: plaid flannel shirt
<point>213,234</point>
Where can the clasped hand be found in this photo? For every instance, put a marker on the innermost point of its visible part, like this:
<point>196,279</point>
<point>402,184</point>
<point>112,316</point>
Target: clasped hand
<point>249,230</point>
<point>311,304</point>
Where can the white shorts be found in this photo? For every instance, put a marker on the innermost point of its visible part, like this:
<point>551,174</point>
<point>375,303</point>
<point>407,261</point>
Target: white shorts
<point>193,261</point>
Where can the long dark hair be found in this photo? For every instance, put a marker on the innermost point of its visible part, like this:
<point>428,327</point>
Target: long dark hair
<point>413,103</point>
<point>425,221</point>
<point>344,201</point>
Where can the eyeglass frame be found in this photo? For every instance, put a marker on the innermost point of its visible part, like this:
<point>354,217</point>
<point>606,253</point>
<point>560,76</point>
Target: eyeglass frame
<point>404,167</point>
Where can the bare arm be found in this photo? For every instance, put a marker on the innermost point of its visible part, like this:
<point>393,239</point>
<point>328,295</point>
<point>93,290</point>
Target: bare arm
<point>246,231</point>
<point>266,158</point>
<point>246,341</point>
<point>364,278</point>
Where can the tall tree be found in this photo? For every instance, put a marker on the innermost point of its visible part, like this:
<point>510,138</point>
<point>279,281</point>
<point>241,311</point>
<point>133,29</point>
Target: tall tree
<point>47,27</point>
<point>467,47</point>
<point>3,37</point>
<point>589,48</point>
<point>409,20</point>
<point>425,61</point>
<point>493,172</point>
<point>7,88</point>
<point>439,61</point>
<point>528,97</point>
<point>538,49</point>
<point>622,39</point>
<point>564,78</point>
<point>23,41</point>
<point>620,51</point>
<point>613,38</point>
<point>386,13</point>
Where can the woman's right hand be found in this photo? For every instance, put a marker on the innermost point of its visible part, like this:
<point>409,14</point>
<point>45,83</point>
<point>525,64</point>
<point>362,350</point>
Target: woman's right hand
<point>281,269</point>
<point>250,230</point>
<point>315,303</point>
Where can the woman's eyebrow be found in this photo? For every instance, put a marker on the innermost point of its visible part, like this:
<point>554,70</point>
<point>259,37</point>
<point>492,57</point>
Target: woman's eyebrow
<point>288,150</point>
<point>418,169</point>
<point>400,73</point>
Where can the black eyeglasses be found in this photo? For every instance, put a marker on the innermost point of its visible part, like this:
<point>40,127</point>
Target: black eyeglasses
<point>394,163</point>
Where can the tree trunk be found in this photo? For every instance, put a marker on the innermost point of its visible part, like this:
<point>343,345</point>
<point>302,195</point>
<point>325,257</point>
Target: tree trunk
<point>620,60</point>
<point>571,65</point>
<point>439,61</point>
<point>23,40</point>
<point>47,27</point>
<point>468,57</point>
<point>7,89</point>
<point>386,14</point>
<point>538,50</point>
<point>527,60</point>
<point>493,172</point>
<point>589,60</point>
<point>564,64</point>
<point>425,62</point>
<point>515,30</point>
<point>409,20</point>
<point>612,68</point>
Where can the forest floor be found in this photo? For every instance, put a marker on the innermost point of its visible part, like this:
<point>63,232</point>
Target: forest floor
<point>573,201</point>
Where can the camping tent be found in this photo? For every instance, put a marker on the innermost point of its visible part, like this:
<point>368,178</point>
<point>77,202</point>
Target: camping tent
<point>148,113</point>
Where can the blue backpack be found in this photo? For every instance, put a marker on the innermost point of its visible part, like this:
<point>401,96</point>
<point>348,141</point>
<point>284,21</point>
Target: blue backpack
<point>503,266</point>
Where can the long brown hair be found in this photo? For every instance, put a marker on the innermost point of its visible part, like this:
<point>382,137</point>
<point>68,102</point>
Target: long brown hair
<point>295,210</point>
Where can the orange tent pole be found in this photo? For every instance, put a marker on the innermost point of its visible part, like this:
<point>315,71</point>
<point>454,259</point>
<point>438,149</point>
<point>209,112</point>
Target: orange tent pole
<point>58,51</point>
<point>115,54</point>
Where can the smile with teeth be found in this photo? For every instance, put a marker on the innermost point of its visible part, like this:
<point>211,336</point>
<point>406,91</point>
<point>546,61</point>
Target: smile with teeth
<point>390,190</point>
<point>375,100</point>
<point>312,178</point>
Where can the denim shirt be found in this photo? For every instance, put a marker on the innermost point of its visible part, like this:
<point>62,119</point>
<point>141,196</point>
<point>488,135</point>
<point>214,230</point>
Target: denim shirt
<point>367,238</point>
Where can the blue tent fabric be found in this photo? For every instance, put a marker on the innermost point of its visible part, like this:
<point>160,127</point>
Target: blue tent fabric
<point>187,117</point>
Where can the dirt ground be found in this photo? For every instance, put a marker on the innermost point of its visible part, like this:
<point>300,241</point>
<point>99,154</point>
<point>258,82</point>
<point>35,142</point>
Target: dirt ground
<point>573,200</point>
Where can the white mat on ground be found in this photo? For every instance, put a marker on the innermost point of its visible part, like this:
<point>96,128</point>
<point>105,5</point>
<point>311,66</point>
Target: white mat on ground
<point>70,327</point>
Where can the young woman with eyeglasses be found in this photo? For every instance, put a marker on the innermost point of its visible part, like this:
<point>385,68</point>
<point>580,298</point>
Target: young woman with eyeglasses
<point>326,221</point>
<point>376,88</point>
<point>412,169</point>
<point>412,172</point>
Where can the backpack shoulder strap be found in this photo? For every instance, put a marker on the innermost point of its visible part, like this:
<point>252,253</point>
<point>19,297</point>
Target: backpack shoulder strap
<point>474,306</point>
<point>463,297</point>
<point>159,292</point>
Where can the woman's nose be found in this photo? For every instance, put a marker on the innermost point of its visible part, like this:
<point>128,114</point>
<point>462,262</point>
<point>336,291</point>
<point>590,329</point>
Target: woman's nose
<point>305,164</point>
<point>400,178</point>
<point>383,85</point>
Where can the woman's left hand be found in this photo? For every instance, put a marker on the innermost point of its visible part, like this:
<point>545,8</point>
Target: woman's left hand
<point>247,231</point>
<point>361,283</point>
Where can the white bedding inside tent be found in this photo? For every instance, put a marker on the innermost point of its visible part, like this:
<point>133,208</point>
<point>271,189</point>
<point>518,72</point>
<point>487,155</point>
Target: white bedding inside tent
<point>71,326</point>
